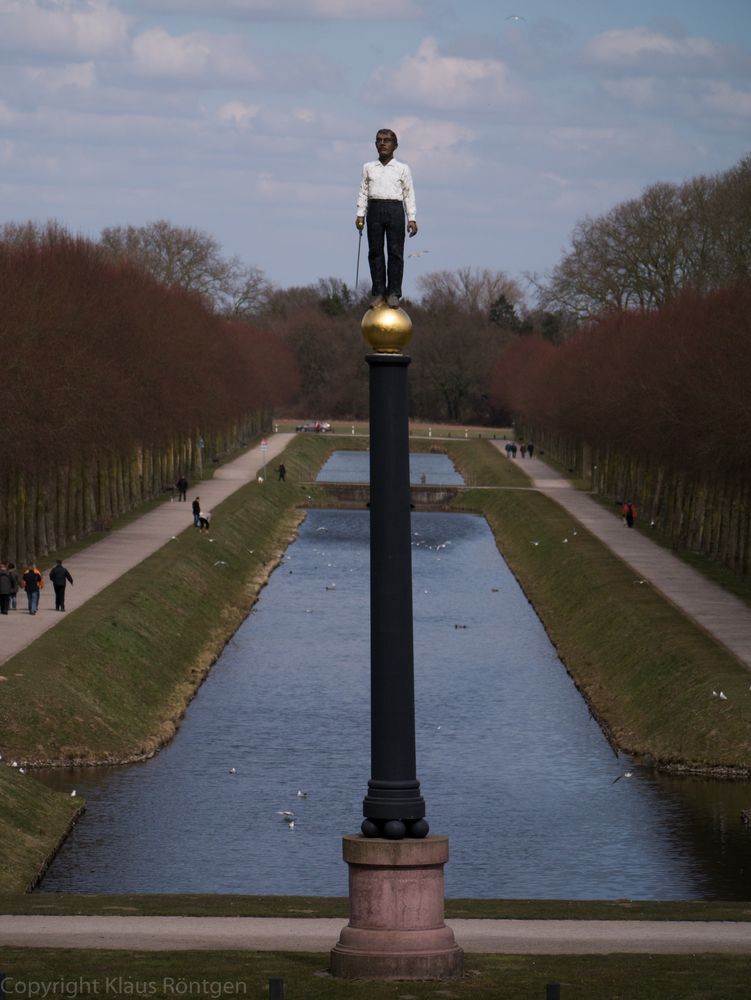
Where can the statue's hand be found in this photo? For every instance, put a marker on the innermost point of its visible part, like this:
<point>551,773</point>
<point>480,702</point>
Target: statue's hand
<point>412,228</point>
<point>360,222</point>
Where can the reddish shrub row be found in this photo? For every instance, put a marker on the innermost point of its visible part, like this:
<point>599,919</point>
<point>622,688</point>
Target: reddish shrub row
<point>98,355</point>
<point>672,384</point>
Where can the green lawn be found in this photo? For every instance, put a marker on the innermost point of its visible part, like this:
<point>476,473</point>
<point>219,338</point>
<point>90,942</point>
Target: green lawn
<point>217,974</point>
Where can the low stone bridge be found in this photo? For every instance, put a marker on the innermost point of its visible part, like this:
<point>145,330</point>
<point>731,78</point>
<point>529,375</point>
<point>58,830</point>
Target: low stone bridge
<point>423,497</point>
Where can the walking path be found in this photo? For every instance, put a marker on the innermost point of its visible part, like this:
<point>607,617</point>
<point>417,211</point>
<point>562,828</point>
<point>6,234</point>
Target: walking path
<point>100,564</point>
<point>514,937</point>
<point>719,612</point>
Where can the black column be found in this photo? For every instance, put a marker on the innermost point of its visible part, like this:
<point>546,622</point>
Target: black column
<point>393,806</point>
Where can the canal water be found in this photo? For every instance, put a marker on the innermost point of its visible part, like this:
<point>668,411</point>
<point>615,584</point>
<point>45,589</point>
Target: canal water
<point>511,764</point>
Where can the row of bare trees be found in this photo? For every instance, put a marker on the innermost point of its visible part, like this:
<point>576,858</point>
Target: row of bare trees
<point>114,384</point>
<point>645,251</point>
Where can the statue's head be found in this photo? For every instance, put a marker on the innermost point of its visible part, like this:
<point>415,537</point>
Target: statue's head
<point>386,143</point>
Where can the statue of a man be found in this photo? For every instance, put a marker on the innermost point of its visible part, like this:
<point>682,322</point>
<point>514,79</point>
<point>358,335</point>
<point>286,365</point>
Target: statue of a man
<point>386,195</point>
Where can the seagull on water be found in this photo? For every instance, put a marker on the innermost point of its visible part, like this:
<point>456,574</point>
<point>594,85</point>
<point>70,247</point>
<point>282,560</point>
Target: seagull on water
<point>301,794</point>
<point>233,770</point>
<point>626,774</point>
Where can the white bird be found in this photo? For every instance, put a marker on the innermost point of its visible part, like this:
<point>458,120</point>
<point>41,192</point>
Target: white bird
<point>640,581</point>
<point>22,770</point>
<point>565,540</point>
<point>14,763</point>
<point>722,696</point>
<point>418,253</point>
<point>516,17</point>
<point>331,586</point>
<point>73,794</point>
<point>233,770</point>
<point>220,562</point>
<point>290,824</point>
<point>301,794</point>
<point>285,814</point>
<point>174,538</point>
<point>626,774</point>
<point>535,543</point>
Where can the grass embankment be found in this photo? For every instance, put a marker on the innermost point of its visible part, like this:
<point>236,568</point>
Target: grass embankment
<point>646,669</point>
<point>210,905</point>
<point>111,682</point>
<point>32,821</point>
<point>487,977</point>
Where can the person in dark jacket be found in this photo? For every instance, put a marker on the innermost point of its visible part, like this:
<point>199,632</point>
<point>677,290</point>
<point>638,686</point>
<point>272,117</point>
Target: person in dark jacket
<point>182,488</point>
<point>60,576</point>
<point>5,589</point>
<point>196,505</point>
<point>15,584</point>
<point>32,582</point>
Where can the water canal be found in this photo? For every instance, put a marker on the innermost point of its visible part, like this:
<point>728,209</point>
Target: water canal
<point>512,766</point>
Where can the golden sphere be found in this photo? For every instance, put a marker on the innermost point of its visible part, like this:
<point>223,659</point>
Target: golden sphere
<point>386,330</point>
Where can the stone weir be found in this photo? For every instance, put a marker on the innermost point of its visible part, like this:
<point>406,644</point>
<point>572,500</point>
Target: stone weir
<point>422,497</point>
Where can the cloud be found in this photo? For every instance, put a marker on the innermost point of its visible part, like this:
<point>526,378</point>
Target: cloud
<point>633,46</point>
<point>639,91</point>
<point>63,28</point>
<point>726,100</point>
<point>282,10</point>
<point>51,79</point>
<point>447,82</point>
<point>194,56</point>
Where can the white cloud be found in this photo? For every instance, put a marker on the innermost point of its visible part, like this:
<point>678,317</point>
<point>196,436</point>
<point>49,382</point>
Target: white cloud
<point>81,76</point>
<point>636,90</point>
<point>448,82</point>
<point>630,46</point>
<point>727,100</point>
<point>279,10</point>
<point>62,28</point>
<point>238,113</point>
<point>195,56</point>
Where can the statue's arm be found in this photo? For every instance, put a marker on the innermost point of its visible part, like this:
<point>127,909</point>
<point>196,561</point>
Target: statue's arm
<point>362,199</point>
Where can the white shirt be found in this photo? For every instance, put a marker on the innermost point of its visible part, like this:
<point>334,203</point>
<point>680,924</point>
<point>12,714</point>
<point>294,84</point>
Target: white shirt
<point>392,180</point>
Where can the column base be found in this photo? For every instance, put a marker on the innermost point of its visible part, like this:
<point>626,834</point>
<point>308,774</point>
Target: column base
<point>396,928</point>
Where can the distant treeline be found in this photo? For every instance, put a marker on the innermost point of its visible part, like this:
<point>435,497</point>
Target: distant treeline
<point>658,404</point>
<point>113,385</point>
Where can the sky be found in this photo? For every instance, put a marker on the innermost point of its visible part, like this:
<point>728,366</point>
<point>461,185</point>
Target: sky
<point>251,119</point>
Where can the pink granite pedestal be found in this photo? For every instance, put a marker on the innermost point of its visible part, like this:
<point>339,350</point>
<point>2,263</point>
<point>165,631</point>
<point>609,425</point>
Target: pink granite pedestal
<point>396,928</point>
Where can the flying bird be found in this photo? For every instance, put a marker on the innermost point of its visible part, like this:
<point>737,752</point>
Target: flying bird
<point>626,774</point>
<point>516,17</point>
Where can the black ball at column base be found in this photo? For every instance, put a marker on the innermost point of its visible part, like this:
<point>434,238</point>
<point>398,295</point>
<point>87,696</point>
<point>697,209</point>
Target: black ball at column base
<point>394,829</point>
<point>418,829</point>
<point>370,828</point>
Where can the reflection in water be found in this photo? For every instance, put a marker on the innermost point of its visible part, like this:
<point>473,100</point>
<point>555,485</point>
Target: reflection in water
<point>512,767</point>
<point>424,467</point>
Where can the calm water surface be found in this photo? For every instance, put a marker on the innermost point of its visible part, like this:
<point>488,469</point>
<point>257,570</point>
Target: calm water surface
<point>512,767</point>
<point>424,467</point>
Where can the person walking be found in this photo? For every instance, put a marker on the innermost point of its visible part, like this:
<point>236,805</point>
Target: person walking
<point>629,513</point>
<point>32,582</point>
<point>5,589</point>
<point>282,472</point>
<point>15,584</point>
<point>60,576</point>
<point>196,506</point>
<point>182,488</point>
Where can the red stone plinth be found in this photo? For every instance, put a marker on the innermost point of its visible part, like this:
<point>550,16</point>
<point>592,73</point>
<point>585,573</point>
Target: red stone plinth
<point>396,928</point>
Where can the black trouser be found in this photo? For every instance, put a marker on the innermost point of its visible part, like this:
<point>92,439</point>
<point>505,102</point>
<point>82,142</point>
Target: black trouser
<point>59,597</point>
<point>386,220</point>
<point>4,603</point>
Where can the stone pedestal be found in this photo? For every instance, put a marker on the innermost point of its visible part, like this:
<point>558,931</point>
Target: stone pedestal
<point>396,928</point>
